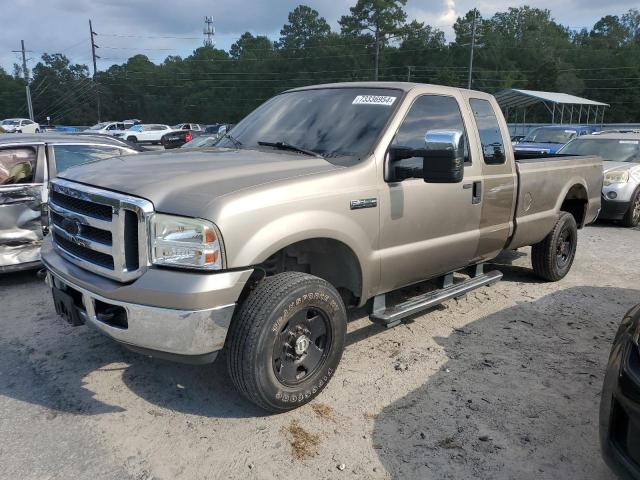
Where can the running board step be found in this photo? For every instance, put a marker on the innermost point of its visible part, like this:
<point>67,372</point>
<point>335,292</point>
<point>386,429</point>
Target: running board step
<point>391,316</point>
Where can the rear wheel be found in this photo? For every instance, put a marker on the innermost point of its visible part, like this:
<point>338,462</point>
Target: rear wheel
<point>132,139</point>
<point>632,217</point>
<point>552,257</point>
<point>286,340</point>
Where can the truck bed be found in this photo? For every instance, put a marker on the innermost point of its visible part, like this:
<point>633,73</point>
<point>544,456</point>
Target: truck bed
<point>545,184</point>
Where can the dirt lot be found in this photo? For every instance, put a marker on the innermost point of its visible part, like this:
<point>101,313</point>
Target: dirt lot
<point>504,383</point>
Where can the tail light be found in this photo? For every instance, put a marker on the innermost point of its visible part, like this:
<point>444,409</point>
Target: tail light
<point>188,137</point>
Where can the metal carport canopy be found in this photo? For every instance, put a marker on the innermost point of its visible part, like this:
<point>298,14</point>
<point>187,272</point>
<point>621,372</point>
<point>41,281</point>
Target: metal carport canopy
<point>514,98</point>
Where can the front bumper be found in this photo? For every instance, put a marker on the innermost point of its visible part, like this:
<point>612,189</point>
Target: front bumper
<point>183,316</point>
<point>620,405</point>
<point>613,209</point>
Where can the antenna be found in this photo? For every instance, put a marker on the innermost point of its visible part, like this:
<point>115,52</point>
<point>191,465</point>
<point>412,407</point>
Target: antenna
<point>209,32</point>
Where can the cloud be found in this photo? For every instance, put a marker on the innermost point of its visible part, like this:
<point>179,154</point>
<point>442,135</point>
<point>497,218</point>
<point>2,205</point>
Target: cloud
<point>449,15</point>
<point>62,25</point>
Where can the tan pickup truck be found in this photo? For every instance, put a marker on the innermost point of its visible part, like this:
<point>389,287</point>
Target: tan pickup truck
<point>323,198</point>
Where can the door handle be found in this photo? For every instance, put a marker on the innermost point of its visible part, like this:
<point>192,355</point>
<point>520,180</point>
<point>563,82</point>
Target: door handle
<point>476,196</point>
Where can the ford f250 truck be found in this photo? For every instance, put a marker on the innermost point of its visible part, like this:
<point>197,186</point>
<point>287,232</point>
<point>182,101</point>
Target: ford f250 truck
<point>323,198</point>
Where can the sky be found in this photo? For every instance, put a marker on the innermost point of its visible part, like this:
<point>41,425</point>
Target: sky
<point>159,28</point>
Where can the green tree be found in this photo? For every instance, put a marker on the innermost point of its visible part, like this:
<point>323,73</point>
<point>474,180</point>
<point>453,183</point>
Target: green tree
<point>63,91</point>
<point>305,24</point>
<point>12,96</point>
<point>248,46</point>
<point>379,20</point>
<point>610,32</point>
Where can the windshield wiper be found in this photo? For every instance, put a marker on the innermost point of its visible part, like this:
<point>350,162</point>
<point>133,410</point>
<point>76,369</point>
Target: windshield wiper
<point>288,146</point>
<point>236,142</point>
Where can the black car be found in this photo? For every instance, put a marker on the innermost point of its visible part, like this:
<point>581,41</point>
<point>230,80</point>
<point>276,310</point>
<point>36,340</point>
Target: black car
<point>177,138</point>
<point>620,404</point>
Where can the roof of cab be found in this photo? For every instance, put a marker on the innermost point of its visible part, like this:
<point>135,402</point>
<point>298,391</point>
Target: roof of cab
<point>404,86</point>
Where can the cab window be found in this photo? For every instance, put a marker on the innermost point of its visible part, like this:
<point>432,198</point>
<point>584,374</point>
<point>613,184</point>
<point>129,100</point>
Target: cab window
<point>429,112</point>
<point>17,166</point>
<point>490,136</point>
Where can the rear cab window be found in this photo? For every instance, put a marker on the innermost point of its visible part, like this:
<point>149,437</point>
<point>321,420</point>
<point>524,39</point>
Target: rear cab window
<point>493,149</point>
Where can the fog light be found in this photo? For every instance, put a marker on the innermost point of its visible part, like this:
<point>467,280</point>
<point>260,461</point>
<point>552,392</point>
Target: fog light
<point>612,195</point>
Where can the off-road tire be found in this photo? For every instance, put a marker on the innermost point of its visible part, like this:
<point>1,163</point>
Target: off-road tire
<point>632,217</point>
<point>253,347</point>
<point>546,258</point>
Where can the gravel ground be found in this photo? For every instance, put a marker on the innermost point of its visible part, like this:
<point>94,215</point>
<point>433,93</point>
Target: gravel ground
<point>503,383</point>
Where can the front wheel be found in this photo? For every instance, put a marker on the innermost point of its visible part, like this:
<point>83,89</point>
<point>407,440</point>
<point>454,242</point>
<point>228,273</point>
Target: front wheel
<point>132,139</point>
<point>552,257</point>
<point>286,340</point>
<point>632,217</point>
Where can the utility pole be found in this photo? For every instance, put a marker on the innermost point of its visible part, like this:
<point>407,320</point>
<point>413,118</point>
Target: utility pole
<point>92,34</point>
<point>209,31</point>
<point>375,74</point>
<point>473,46</point>
<point>25,74</point>
<point>409,69</point>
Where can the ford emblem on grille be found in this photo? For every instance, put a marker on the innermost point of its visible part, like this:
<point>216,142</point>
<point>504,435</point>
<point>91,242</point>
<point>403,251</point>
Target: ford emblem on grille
<point>72,226</point>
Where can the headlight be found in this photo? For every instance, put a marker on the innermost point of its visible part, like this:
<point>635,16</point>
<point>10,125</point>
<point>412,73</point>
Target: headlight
<point>185,242</point>
<point>616,177</point>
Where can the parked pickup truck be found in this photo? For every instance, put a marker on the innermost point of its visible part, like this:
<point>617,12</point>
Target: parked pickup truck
<point>324,198</point>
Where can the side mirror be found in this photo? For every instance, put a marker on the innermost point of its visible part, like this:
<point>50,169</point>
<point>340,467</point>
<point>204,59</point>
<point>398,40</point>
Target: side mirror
<point>444,158</point>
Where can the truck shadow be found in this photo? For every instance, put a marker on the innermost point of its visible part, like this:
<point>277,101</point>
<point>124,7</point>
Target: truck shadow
<point>512,273</point>
<point>517,397</point>
<point>58,381</point>
<point>70,370</point>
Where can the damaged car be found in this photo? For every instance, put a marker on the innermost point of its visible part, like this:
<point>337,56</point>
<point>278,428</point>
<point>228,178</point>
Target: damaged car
<point>27,162</point>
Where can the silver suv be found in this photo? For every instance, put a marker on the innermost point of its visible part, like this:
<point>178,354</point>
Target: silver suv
<point>621,189</point>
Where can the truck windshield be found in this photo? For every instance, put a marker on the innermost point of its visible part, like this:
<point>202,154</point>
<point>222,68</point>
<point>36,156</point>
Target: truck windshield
<point>340,124</point>
<point>610,149</point>
<point>549,135</point>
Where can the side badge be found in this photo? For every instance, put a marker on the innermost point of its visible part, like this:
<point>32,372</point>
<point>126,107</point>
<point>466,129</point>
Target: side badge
<point>364,203</point>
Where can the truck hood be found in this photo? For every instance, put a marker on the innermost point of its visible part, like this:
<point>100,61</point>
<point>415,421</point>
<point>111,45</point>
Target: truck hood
<point>538,147</point>
<point>620,166</point>
<point>187,182</point>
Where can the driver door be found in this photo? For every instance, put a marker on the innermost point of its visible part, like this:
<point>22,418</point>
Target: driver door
<point>21,178</point>
<point>428,229</point>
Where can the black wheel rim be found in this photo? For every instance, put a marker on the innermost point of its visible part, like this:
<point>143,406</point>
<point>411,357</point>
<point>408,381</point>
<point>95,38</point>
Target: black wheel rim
<point>565,247</point>
<point>302,346</point>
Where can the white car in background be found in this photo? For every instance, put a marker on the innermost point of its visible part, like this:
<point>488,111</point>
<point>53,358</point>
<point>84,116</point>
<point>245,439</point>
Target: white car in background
<point>107,128</point>
<point>621,154</point>
<point>19,125</point>
<point>194,127</point>
<point>145,133</point>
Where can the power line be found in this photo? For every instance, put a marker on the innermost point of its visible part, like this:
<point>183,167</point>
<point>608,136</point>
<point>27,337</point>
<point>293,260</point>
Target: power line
<point>81,88</point>
<point>148,36</point>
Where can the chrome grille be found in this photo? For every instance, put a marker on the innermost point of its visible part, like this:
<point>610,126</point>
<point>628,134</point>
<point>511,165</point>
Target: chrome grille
<point>99,230</point>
